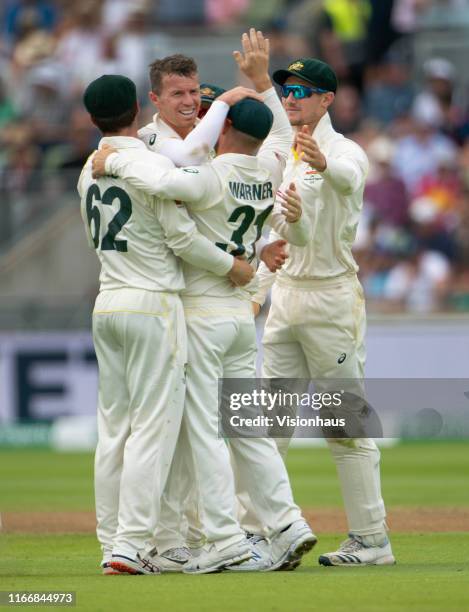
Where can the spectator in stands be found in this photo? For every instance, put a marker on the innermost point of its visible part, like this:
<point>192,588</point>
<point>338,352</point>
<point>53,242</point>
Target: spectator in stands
<point>381,33</point>
<point>421,283</point>
<point>342,31</point>
<point>20,192</point>
<point>385,192</point>
<point>80,48</point>
<point>443,186</point>
<point>43,98</point>
<point>22,16</point>
<point>115,14</point>
<point>436,96</point>
<point>67,160</point>
<point>133,45</point>
<point>418,153</point>
<point>346,112</point>
<point>430,229</point>
<point>389,92</point>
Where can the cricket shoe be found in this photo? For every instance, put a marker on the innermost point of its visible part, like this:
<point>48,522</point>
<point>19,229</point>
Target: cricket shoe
<point>108,570</point>
<point>196,548</point>
<point>213,560</point>
<point>139,565</point>
<point>261,556</point>
<point>172,560</point>
<point>354,553</point>
<point>290,545</point>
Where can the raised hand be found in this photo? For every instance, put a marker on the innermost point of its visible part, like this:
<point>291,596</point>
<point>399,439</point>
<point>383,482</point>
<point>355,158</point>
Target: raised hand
<point>308,150</point>
<point>253,61</point>
<point>291,203</point>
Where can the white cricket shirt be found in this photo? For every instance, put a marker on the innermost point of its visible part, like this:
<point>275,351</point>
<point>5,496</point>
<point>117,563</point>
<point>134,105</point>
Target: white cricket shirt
<point>137,236</point>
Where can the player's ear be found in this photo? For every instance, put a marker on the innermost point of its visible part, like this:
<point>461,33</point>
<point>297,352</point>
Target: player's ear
<point>328,99</point>
<point>153,97</point>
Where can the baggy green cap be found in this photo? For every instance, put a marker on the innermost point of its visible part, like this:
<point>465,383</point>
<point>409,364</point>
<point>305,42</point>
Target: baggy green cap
<point>309,69</point>
<point>209,93</point>
<point>251,117</point>
<point>110,96</point>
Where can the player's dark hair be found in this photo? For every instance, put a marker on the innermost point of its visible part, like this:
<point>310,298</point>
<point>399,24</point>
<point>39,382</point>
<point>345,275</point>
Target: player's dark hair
<point>114,124</point>
<point>173,64</point>
<point>247,140</point>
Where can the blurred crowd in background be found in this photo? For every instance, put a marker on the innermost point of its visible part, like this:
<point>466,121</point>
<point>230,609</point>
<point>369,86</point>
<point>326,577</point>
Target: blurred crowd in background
<point>413,120</point>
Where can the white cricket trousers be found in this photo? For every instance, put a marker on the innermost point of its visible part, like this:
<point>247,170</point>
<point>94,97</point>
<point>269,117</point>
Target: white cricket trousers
<point>316,329</point>
<point>179,522</point>
<point>140,342</point>
<point>222,343</point>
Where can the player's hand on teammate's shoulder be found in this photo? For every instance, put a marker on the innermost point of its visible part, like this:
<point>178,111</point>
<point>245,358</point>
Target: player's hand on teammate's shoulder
<point>256,308</point>
<point>241,273</point>
<point>99,160</point>
<point>307,149</point>
<point>236,94</point>
<point>291,203</point>
<point>274,255</point>
<point>253,60</point>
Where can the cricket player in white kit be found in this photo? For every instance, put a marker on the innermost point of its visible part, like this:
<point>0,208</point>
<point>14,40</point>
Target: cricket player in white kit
<point>230,200</point>
<point>138,331</point>
<point>176,133</point>
<point>316,324</point>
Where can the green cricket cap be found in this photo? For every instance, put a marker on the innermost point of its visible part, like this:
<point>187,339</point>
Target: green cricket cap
<point>251,117</point>
<point>209,93</point>
<point>110,96</point>
<point>309,69</point>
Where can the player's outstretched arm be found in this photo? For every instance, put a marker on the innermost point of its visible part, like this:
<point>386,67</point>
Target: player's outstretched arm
<point>155,175</point>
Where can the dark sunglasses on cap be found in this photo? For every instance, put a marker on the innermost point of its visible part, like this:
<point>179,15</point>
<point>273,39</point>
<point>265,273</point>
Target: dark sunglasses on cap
<point>301,91</point>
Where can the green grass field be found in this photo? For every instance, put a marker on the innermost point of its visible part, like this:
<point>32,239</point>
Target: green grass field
<point>432,571</point>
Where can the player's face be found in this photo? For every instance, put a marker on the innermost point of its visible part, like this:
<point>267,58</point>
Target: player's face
<point>179,100</point>
<point>306,111</point>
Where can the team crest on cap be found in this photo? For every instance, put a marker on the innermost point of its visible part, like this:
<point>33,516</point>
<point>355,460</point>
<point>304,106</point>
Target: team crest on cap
<point>296,66</point>
<point>207,91</point>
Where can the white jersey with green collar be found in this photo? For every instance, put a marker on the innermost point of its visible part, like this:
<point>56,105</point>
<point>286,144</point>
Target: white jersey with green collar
<point>137,236</point>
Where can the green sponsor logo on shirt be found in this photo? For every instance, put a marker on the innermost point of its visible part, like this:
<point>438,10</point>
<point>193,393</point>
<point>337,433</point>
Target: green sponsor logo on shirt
<point>190,170</point>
